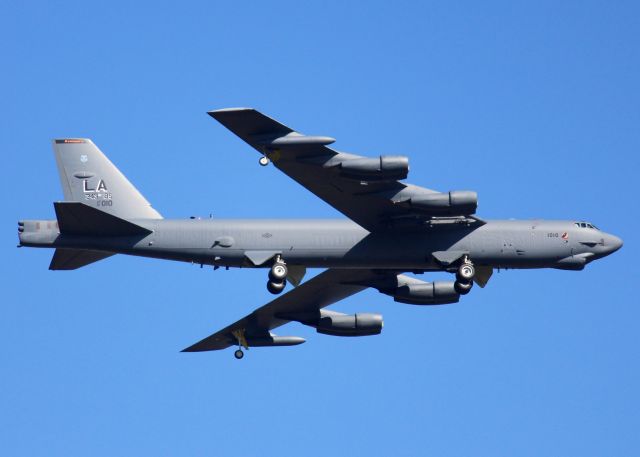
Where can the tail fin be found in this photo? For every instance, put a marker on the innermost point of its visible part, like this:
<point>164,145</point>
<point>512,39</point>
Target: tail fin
<point>89,177</point>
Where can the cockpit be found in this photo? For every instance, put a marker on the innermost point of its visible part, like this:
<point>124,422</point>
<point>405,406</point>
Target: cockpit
<point>586,225</point>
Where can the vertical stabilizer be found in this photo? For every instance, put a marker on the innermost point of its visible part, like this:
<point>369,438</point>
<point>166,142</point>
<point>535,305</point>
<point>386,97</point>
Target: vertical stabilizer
<point>88,176</point>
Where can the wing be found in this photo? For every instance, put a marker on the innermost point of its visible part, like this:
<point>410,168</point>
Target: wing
<point>328,287</point>
<point>367,190</point>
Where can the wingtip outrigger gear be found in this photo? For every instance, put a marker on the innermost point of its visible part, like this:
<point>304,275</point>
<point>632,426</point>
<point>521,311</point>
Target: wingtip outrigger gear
<point>242,342</point>
<point>264,161</point>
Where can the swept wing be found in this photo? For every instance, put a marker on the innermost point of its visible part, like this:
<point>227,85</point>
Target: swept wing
<point>330,286</point>
<point>366,190</point>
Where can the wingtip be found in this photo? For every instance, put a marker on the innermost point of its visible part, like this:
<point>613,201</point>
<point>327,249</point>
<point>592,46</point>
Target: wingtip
<point>192,348</point>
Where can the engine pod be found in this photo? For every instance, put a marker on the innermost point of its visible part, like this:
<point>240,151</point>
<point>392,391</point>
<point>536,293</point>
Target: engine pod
<point>428,293</point>
<point>360,324</point>
<point>456,202</point>
<point>383,168</point>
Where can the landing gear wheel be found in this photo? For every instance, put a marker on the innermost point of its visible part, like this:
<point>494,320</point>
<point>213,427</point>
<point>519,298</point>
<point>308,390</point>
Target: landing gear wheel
<point>466,272</point>
<point>264,161</point>
<point>463,287</point>
<point>275,287</point>
<point>238,354</point>
<point>278,272</point>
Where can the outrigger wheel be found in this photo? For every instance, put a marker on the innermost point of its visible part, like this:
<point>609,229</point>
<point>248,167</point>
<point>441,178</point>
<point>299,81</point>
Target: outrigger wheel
<point>264,161</point>
<point>242,342</point>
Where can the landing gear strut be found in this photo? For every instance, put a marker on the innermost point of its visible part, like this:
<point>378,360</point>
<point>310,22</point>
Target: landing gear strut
<point>464,276</point>
<point>242,343</point>
<point>277,276</point>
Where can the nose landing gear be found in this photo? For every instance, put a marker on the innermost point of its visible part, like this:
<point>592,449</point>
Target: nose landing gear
<point>464,276</point>
<point>277,276</point>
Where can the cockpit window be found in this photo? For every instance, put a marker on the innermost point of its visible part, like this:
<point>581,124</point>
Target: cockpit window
<point>586,225</point>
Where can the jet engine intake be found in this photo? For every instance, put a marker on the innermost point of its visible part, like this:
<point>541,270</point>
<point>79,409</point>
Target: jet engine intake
<point>454,203</point>
<point>427,293</point>
<point>383,168</point>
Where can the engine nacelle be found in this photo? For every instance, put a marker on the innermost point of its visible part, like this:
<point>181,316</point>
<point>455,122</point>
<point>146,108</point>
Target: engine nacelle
<point>383,168</point>
<point>428,293</point>
<point>455,203</point>
<point>360,324</point>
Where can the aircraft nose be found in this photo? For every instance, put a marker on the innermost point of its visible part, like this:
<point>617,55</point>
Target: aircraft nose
<point>613,243</point>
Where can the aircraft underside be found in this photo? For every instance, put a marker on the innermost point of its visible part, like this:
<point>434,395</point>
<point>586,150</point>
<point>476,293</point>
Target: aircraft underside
<point>393,228</point>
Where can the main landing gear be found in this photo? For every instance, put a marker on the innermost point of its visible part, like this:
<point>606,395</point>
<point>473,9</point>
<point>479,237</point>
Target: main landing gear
<point>277,276</point>
<point>464,276</point>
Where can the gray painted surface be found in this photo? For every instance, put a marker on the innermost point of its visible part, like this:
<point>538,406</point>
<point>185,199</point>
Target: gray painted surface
<point>394,228</point>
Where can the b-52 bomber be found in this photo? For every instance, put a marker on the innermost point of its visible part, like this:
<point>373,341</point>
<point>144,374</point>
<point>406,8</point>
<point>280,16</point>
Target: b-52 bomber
<point>393,228</point>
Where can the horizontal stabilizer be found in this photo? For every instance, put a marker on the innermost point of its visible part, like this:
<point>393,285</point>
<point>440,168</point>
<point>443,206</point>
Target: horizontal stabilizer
<point>72,259</point>
<point>75,218</point>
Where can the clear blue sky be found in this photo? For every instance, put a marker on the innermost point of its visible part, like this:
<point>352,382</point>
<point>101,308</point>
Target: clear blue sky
<point>536,105</point>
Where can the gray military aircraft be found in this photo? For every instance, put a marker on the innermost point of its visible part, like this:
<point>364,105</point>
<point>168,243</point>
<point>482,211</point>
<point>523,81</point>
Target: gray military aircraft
<point>394,228</point>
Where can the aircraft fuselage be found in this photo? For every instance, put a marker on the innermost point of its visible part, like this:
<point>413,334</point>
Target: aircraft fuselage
<point>343,244</point>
